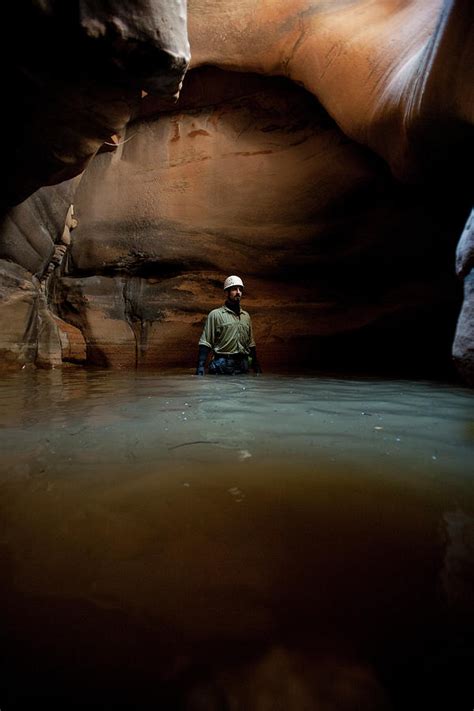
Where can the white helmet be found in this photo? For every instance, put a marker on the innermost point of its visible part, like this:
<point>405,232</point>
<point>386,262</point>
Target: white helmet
<point>233,281</point>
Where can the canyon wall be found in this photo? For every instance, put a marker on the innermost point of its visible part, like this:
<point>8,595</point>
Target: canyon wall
<point>321,158</point>
<point>264,184</point>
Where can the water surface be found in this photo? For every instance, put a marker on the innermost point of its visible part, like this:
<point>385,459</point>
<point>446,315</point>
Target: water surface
<point>260,543</point>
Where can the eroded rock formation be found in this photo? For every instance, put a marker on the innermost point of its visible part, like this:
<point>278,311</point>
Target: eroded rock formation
<point>74,75</point>
<point>31,235</point>
<point>333,184</point>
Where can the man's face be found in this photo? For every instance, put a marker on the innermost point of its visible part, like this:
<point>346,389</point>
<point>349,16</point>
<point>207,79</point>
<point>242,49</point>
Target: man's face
<point>234,293</point>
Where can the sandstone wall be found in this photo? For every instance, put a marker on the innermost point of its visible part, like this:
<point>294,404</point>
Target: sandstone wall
<point>260,182</point>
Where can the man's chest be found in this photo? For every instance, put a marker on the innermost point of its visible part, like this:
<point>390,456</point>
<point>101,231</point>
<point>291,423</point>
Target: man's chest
<point>229,324</point>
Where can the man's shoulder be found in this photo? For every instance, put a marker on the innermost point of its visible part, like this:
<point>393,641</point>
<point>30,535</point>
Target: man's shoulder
<point>217,312</point>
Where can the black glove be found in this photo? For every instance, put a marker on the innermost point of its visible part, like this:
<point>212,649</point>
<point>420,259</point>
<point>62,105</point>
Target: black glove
<point>202,357</point>
<point>255,364</point>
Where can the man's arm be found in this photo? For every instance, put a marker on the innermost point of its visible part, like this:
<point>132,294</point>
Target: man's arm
<point>255,364</point>
<point>202,357</point>
<point>205,342</point>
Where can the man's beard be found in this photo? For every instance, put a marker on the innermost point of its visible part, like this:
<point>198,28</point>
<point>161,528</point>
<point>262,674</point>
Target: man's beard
<point>234,304</point>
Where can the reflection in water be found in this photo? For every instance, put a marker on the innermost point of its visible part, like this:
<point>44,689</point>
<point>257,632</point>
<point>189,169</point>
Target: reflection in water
<point>246,543</point>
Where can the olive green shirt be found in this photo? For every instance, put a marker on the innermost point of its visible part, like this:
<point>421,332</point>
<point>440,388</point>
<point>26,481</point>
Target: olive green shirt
<point>227,333</point>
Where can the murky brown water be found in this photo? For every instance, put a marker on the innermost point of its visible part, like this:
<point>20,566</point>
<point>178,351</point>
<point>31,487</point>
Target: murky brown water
<point>251,544</point>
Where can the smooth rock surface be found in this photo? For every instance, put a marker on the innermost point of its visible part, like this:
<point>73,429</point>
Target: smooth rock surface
<point>72,78</point>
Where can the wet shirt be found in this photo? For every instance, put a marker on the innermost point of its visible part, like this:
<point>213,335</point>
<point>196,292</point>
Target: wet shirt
<point>226,333</point>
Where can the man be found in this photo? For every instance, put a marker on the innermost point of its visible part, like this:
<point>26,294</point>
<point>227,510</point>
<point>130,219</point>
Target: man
<point>228,334</point>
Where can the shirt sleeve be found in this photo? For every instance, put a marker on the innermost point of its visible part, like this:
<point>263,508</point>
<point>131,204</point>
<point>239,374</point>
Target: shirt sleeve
<point>208,336</point>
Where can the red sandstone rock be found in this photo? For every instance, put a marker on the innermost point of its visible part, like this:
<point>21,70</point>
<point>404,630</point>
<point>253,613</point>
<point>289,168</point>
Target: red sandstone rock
<point>396,76</point>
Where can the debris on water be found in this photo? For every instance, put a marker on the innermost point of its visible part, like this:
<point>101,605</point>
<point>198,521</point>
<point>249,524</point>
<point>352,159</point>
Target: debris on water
<point>78,431</point>
<point>237,494</point>
<point>244,454</point>
<point>434,457</point>
<point>378,428</point>
<point>197,441</point>
<point>186,484</point>
<point>369,414</point>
